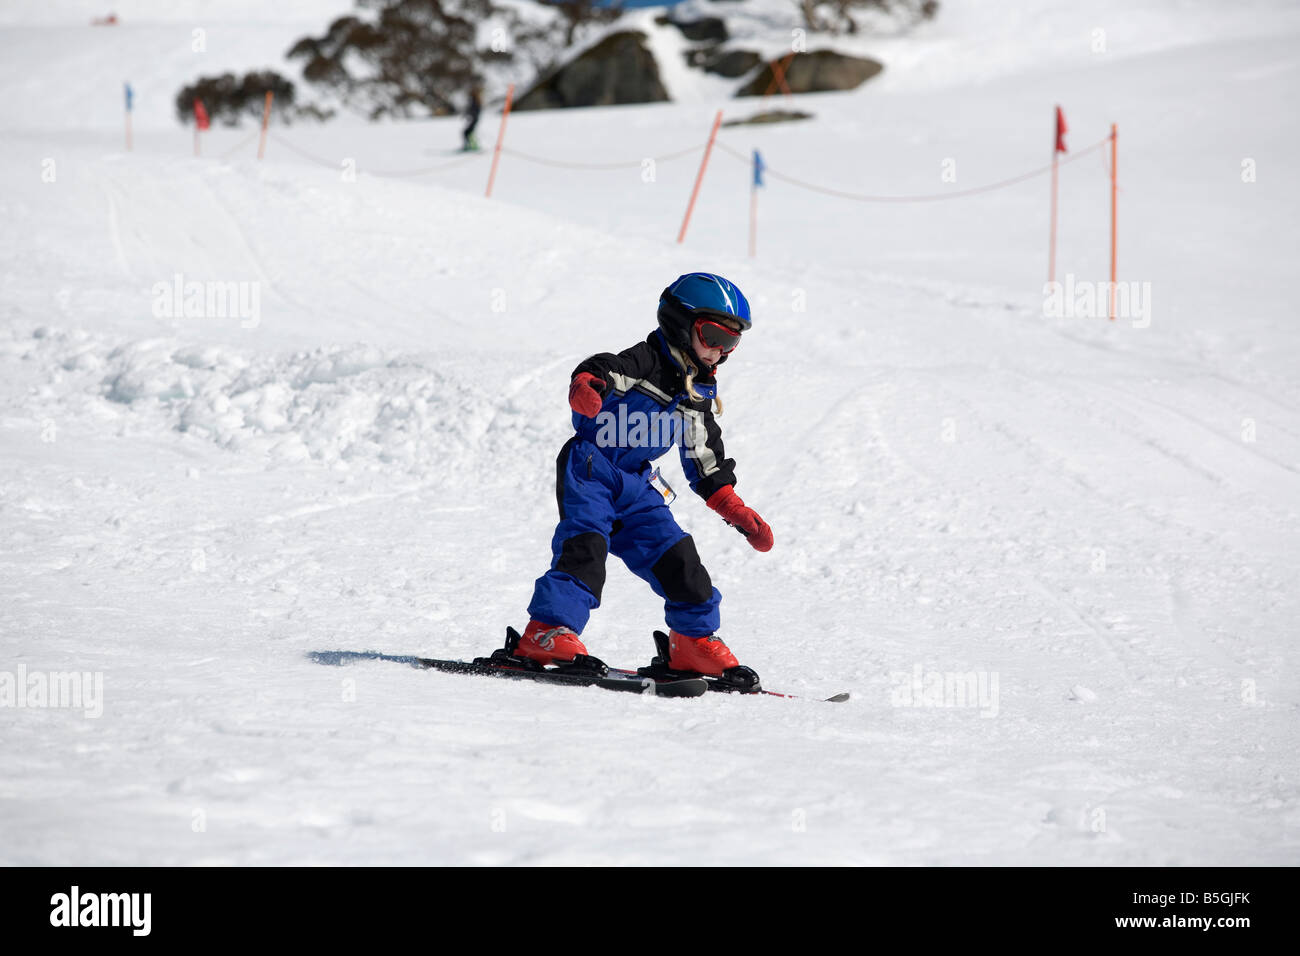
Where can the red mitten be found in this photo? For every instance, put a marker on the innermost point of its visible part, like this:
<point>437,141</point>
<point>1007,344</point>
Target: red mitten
<point>744,519</point>
<point>584,394</point>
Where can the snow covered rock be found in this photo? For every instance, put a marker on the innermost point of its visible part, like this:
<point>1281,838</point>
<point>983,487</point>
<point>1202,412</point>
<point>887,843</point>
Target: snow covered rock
<point>618,69</point>
<point>815,72</point>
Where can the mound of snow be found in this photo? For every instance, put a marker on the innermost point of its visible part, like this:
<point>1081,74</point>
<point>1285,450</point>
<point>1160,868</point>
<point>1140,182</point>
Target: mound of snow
<point>339,405</point>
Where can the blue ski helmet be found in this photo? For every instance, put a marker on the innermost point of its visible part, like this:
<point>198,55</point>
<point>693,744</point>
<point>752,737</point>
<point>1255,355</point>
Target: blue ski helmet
<point>695,295</point>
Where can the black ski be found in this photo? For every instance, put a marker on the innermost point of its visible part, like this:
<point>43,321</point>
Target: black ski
<point>657,679</point>
<point>721,686</point>
<point>734,680</point>
<point>583,671</point>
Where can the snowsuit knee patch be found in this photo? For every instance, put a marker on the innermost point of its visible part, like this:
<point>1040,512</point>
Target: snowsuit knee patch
<point>682,576</point>
<point>583,557</point>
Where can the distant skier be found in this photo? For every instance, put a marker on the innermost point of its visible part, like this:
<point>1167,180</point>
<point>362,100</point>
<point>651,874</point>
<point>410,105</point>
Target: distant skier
<point>628,410</point>
<point>471,116</point>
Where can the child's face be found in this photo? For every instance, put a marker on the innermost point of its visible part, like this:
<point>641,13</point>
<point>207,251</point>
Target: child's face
<point>705,354</point>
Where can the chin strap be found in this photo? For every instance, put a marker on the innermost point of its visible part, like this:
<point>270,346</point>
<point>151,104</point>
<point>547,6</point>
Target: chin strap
<point>688,369</point>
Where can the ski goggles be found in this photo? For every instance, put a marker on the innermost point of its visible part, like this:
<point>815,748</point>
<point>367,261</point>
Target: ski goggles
<point>716,335</point>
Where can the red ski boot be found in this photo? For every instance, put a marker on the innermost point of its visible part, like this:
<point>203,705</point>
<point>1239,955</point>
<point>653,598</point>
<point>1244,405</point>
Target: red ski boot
<point>547,643</point>
<point>703,655</point>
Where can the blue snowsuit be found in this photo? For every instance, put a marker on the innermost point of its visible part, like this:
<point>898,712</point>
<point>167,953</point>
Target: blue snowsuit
<point>607,504</point>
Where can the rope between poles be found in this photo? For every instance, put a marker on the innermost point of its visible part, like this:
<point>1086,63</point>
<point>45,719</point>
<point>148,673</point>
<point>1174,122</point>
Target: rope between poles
<point>931,197</point>
<point>337,163</point>
<point>624,164</point>
<point>240,145</point>
<point>332,164</point>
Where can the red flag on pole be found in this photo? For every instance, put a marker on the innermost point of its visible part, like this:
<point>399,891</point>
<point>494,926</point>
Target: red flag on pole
<point>200,115</point>
<point>1061,130</point>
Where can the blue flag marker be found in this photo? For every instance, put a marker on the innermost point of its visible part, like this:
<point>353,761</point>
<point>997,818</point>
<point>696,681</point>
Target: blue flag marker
<point>758,169</point>
<point>129,96</point>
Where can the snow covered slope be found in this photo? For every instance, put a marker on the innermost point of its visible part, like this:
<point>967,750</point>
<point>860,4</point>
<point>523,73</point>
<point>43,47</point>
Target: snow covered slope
<point>1094,523</point>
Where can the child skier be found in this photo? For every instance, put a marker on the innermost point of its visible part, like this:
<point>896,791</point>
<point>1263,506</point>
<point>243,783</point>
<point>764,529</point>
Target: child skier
<point>623,406</point>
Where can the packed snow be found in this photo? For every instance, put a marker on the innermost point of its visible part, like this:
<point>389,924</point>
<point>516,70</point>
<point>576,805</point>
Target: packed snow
<point>1052,557</point>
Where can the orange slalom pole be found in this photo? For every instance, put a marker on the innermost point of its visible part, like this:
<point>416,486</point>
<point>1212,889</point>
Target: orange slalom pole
<point>785,65</point>
<point>266,119</point>
<point>1114,209</point>
<point>699,177</point>
<point>778,75</point>
<point>501,135</point>
<point>128,131</point>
